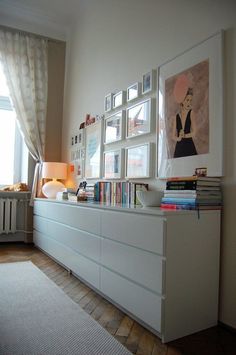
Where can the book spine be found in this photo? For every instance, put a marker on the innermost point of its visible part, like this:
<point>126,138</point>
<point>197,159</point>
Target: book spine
<point>181,185</point>
<point>179,200</point>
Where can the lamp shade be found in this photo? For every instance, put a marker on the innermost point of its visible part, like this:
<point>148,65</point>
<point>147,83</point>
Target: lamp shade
<point>54,170</point>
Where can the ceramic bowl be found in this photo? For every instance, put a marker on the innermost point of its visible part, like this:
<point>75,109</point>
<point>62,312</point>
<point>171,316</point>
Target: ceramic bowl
<point>150,198</point>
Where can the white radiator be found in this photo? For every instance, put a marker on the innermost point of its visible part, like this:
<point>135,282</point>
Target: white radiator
<point>8,215</point>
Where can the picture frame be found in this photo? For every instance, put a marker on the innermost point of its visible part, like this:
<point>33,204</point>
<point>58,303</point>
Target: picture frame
<point>190,87</point>
<point>139,118</point>
<point>112,162</point>
<point>137,161</point>
<point>79,138</point>
<point>113,127</point>
<point>148,81</point>
<point>79,164</point>
<point>93,150</point>
<point>118,99</point>
<point>108,102</point>
<point>133,91</point>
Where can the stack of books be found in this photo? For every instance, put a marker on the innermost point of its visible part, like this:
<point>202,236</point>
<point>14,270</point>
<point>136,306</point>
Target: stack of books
<point>118,193</point>
<point>192,193</point>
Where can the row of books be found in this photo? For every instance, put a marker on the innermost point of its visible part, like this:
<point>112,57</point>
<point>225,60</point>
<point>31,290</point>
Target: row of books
<point>192,193</point>
<point>118,193</point>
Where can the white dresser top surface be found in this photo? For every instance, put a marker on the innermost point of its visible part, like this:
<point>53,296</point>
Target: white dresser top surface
<point>131,209</point>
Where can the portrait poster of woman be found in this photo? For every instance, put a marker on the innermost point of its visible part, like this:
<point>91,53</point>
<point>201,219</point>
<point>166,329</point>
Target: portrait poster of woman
<point>187,111</point>
<point>190,111</point>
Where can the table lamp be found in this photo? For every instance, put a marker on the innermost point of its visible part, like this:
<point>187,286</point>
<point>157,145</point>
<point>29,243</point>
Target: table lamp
<point>53,171</point>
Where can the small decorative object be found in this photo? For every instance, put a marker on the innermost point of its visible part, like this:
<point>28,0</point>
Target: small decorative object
<point>82,125</point>
<point>108,102</point>
<point>112,164</point>
<point>138,161</point>
<point>133,91</point>
<point>139,119</point>
<point>190,90</point>
<point>148,82</point>
<point>93,150</point>
<point>150,198</point>
<point>89,119</point>
<point>53,171</point>
<point>119,99</point>
<point>114,127</point>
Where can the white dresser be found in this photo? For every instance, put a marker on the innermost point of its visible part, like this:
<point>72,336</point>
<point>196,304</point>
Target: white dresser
<point>161,267</point>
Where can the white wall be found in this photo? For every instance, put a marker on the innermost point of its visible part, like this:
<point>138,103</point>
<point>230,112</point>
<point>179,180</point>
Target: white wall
<point>116,41</point>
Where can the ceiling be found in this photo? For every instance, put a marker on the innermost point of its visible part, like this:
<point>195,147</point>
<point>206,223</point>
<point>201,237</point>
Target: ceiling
<point>48,17</point>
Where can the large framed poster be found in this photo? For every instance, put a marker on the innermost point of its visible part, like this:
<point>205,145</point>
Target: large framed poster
<point>93,150</point>
<point>190,105</point>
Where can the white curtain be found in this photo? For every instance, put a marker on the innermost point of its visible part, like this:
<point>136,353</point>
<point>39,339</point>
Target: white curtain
<point>25,63</point>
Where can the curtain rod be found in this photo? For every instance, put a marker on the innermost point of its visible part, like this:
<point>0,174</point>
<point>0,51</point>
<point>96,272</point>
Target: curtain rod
<point>15,30</point>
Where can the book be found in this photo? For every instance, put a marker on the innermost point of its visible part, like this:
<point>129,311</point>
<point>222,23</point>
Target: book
<point>190,207</point>
<point>192,201</point>
<point>190,185</point>
<point>195,178</point>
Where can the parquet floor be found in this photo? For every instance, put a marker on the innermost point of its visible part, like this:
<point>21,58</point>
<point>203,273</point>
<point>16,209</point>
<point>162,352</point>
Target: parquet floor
<point>214,341</point>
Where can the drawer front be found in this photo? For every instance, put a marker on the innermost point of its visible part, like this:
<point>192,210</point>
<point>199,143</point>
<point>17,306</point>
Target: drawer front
<point>82,242</point>
<point>145,232</point>
<point>140,266</point>
<point>143,304</point>
<point>84,218</point>
<point>80,265</point>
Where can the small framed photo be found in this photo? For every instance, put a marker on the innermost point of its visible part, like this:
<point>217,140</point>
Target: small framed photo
<point>79,164</point>
<point>138,119</point>
<point>133,91</point>
<point>72,141</point>
<point>108,102</point>
<point>138,161</point>
<point>148,82</point>
<point>113,164</point>
<point>118,99</point>
<point>81,137</point>
<point>114,127</point>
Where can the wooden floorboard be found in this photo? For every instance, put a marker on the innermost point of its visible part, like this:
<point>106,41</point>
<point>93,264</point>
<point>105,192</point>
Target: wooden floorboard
<point>213,341</point>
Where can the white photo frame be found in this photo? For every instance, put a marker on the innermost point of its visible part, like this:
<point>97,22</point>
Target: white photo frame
<point>118,99</point>
<point>93,150</point>
<point>112,162</point>
<point>139,118</point>
<point>108,102</point>
<point>113,127</point>
<point>197,74</point>
<point>149,82</point>
<point>79,164</point>
<point>133,91</point>
<point>137,161</point>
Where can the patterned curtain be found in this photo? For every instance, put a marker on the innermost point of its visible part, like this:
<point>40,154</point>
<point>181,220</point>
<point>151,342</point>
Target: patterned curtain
<point>25,63</point>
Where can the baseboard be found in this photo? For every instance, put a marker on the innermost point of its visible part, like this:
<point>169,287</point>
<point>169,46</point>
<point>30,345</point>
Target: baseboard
<point>226,326</point>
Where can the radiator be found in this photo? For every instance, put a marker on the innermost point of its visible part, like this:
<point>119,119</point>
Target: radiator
<point>8,215</point>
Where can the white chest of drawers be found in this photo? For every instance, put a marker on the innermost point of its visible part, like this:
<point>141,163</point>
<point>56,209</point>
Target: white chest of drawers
<point>162,268</point>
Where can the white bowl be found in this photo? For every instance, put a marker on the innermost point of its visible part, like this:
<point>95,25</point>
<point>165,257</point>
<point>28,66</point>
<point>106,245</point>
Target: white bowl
<point>150,198</point>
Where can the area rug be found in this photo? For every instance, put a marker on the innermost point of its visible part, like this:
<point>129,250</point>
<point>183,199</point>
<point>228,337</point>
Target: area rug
<point>37,317</point>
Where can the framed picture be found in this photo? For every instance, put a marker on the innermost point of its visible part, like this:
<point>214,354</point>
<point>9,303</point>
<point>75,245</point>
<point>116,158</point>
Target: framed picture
<point>108,102</point>
<point>79,164</point>
<point>113,127</point>
<point>133,91</point>
<point>93,144</point>
<point>191,111</point>
<point>138,119</point>
<point>79,138</point>
<point>112,164</point>
<point>118,99</point>
<point>148,81</point>
<point>138,161</point>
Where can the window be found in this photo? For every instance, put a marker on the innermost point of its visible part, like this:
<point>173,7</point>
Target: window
<point>13,152</point>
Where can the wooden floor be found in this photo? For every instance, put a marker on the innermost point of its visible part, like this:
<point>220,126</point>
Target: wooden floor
<point>214,341</point>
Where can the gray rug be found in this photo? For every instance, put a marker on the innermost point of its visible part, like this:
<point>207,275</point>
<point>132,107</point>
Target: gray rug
<point>37,317</point>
